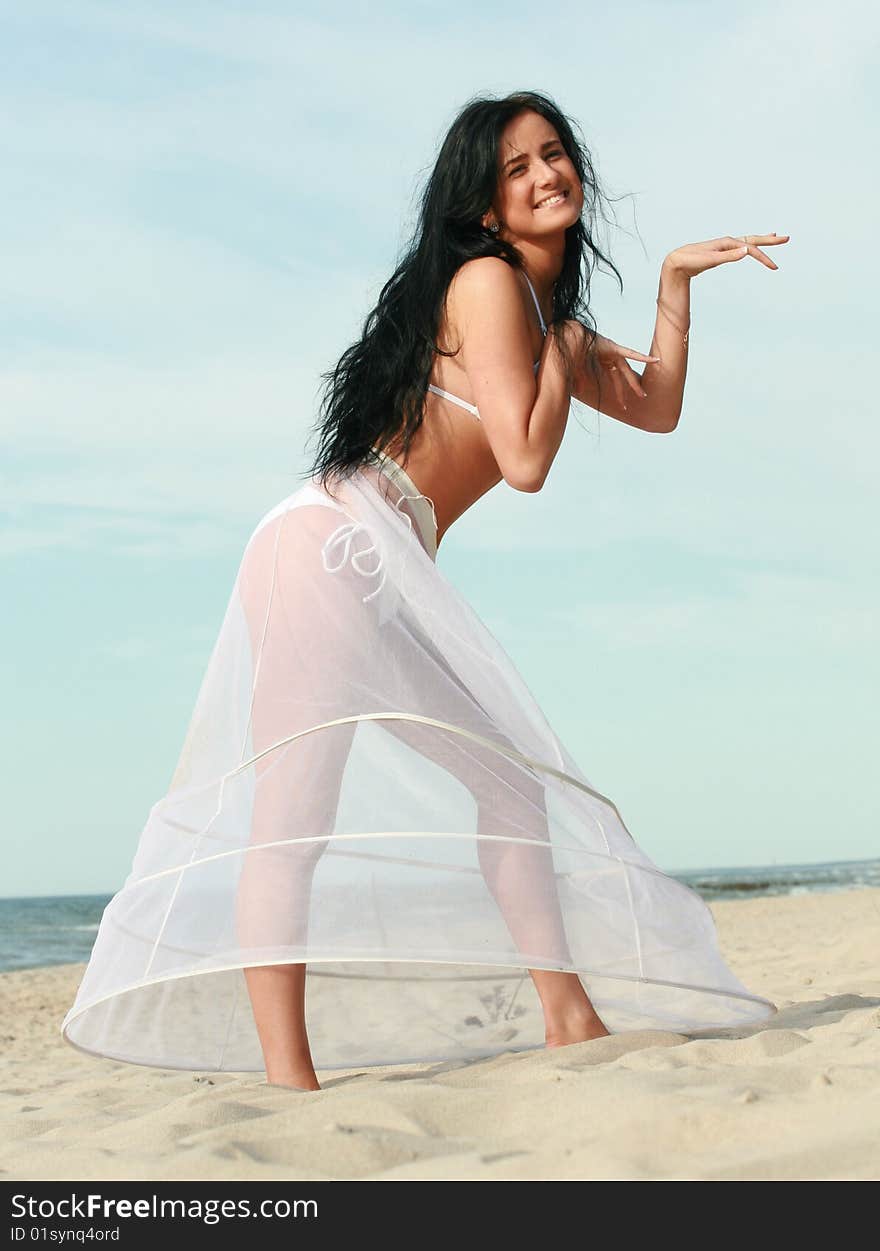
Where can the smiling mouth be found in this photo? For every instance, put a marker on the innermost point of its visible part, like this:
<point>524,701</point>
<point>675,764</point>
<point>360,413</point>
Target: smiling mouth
<point>557,198</point>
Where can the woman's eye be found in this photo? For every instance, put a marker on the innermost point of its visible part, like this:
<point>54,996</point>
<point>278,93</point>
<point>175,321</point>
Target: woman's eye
<point>519,168</point>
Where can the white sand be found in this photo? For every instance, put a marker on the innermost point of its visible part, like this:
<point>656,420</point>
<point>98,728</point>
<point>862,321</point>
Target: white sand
<point>798,1097</point>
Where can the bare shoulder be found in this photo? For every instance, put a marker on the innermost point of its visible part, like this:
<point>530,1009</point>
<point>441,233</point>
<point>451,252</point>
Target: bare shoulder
<point>484,283</point>
<point>484,273</point>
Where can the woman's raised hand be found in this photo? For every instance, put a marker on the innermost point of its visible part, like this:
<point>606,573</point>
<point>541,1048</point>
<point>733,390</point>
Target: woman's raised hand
<point>692,258</point>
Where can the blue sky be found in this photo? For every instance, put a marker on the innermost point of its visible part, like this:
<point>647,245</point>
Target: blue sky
<point>202,202</point>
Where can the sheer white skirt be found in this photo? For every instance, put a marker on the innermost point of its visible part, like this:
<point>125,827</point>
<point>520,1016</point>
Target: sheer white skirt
<point>367,786</point>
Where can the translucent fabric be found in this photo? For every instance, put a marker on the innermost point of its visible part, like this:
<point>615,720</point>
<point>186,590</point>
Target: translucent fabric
<point>368,787</point>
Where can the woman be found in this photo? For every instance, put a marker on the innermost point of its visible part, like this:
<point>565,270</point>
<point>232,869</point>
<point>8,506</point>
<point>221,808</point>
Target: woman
<point>368,791</point>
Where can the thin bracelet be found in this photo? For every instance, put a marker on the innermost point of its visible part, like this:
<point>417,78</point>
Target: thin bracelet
<point>674,322</point>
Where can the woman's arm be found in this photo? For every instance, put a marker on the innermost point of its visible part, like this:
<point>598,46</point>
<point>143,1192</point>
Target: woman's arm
<point>664,380</point>
<point>545,426</point>
<point>524,415</point>
<point>652,400</point>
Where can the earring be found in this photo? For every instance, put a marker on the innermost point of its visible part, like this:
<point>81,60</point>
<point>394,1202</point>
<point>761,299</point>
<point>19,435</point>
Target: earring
<point>494,228</point>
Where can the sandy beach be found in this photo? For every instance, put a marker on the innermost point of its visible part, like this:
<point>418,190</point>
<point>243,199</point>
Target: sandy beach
<point>795,1098</point>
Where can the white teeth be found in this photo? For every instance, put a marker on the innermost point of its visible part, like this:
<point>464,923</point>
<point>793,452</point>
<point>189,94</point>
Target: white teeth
<point>553,199</point>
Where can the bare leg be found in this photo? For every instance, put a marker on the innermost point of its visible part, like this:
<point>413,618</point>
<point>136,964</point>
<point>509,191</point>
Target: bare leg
<point>510,800</point>
<point>520,877</point>
<point>569,1016</point>
<point>278,994</point>
<point>296,790</point>
<point>297,799</point>
<point>522,883</point>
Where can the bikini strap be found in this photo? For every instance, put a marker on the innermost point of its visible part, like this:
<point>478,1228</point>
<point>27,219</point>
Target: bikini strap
<point>447,395</point>
<point>537,305</point>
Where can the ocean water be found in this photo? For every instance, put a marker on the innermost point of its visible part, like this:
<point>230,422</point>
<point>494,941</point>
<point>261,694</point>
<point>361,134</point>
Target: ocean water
<point>48,929</point>
<point>782,879</point>
<point>60,929</point>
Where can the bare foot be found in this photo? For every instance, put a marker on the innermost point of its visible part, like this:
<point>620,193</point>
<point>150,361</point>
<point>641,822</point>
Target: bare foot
<point>579,1026</point>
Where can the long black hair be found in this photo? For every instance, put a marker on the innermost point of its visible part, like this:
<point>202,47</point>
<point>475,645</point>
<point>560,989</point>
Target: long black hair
<point>376,392</point>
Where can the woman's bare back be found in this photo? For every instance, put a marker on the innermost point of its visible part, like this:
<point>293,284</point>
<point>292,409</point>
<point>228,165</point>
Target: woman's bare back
<point>450,459</point>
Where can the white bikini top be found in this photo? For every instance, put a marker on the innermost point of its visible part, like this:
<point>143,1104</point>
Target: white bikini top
<point>472,408</point>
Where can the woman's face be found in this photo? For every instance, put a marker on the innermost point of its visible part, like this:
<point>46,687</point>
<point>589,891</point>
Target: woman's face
<point>532,167</point>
